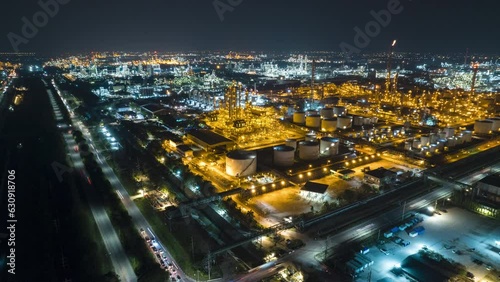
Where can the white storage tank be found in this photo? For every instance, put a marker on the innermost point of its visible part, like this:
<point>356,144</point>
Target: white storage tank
<point>451,142</point>
<point>441,143</point>
<point>425,140</point>
<point>424,150</point>
<point>449,131</point>
<point>326,113</point>
<point>284,155</point>
<point>329,146</point>
<point>313,121</point>
<point>416,143</point>
<point>344,122</point>
<point>358,121</point>
<point>241,163</point>
<point>442,135</point>
<point>367,121</point>
<point>483,126</point>
<point>407,145</point>
<point>433,138</point>
<point>339,111</point>
<point>309,150</point>
<point>496,124</point>
<point>310,136</point>
<point>434,149</point>
<point>460,139</point>
<point>467,135</point>
<point>299,117</point>
<point>311,113</point>
<point>328,124</point>
<point>291,143</point>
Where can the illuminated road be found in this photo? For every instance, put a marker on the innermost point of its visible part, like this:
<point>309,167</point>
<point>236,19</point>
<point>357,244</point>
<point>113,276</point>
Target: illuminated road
<point>137,218</point>
<point>118,257</point>
<point>261,272</point>
<point>313,251</point>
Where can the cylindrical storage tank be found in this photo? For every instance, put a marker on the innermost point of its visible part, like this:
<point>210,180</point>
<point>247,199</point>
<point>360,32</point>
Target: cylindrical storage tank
<point>407,145</point>
<point>449,131</point>
<point>358,121</point>
<point>309,150</point>
<point>433,148</point>
<point>291,143</point>
<point>496,123</point>
<point>442,135</point>
<point>367,121</point>
<point>310,137</point>
<point>425,140</point>
<point>433,138</point>
<point>329,124</point>
<point>467,135</point>
<point>451,142</point>
<point>460,139</point>
<point>416,143</point>
<point>374,120</point>
<point>424,150</point>
<point>284,155</point>
<point>326,113</point>
<point>329,146</point>
<point>483,126</point>
<point>313,121</point>
<point>440,143</point>
<point>299,117</point>
<point>339,111</point>
<point>241,163</point>
<point>344,122</point>
<point>311,113</point>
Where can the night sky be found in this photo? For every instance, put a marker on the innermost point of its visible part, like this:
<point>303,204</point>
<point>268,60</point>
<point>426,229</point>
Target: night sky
<point>263,25</point>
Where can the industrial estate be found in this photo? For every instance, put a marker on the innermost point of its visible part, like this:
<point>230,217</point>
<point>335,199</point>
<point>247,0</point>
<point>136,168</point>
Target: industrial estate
<point>274,167</point>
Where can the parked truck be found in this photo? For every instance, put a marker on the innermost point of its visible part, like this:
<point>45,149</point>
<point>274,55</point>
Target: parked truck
<point>419,230</point>
<point>391,232</point>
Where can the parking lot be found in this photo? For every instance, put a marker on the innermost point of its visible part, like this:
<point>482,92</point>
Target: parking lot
<point>467,238</point>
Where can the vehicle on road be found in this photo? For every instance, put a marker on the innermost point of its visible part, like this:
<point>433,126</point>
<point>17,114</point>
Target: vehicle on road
<point>397,240</point>
<point>404,243</point>
<point>384,251</point>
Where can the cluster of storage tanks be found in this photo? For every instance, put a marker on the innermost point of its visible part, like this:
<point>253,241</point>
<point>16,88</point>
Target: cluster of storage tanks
<point>308,150</point>
<point>329,119</point>
<point>487,126</point>
<point>435,142</point>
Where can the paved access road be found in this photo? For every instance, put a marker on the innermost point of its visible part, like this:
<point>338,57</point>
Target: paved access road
<point>113,245</point>
<point>137,217</point>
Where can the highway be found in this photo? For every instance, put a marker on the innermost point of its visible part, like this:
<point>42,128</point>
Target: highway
<point>314,250</point>
<point>117,254</point>
<point>137,217</point>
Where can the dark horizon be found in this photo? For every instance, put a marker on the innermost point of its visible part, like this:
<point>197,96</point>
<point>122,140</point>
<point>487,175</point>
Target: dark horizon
<point>173,26</point>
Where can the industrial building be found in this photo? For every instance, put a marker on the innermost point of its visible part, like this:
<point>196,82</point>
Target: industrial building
<point>314,191</point>
<point>488,189</point>
<point>209,140</point>
<point>379,177</point>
